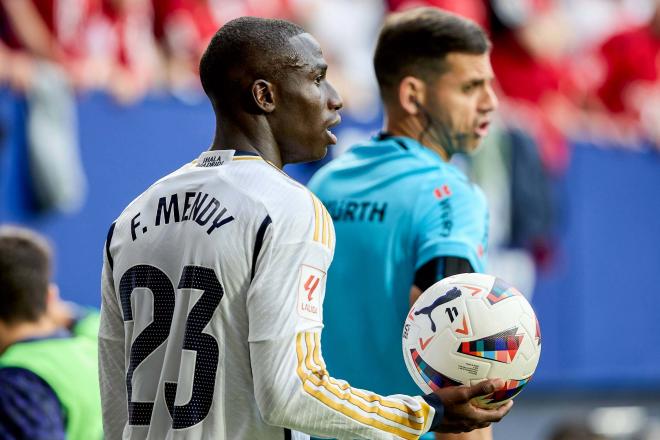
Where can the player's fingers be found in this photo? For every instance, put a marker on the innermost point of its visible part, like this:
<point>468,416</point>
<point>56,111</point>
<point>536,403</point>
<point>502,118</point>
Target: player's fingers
<point>504,409</point>
<point>482,425</point>
<point>493,415</point>
<point>484,388</point>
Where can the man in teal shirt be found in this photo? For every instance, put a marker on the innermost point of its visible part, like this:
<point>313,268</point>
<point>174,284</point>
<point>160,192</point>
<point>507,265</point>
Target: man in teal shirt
<point>405,217</point>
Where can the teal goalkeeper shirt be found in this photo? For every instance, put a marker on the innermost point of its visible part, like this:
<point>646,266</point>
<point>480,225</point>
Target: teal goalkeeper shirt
<point>395,205</point>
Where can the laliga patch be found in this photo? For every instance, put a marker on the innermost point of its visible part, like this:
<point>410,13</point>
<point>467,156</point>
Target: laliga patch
<point>309,292</point>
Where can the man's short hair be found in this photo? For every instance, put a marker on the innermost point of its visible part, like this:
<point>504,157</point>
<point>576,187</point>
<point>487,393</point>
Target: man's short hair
<point>243,50</point>
<point>415,43</point>
<point>25,270</point>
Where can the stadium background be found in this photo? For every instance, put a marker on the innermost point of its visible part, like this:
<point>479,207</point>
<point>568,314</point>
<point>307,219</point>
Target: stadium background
<point>573,166</point>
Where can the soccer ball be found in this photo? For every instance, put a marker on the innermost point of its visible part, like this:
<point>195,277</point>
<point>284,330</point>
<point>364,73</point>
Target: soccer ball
<point>470,327</point>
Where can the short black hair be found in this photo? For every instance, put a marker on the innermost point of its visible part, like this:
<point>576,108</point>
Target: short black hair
<point>415,42</point>
<point>25,270</point>
<point>243,50</point>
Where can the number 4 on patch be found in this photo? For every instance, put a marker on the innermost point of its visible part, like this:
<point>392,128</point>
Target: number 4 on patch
<point>310,286</point>
<point>309,292</point>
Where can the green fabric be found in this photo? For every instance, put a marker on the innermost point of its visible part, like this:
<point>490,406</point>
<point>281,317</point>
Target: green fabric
<point>88,326</point>
<point>69,366</point>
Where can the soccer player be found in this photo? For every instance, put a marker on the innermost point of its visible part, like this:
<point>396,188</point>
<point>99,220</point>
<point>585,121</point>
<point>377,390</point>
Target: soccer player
<point>214,277</point>
<point>404,217</point>
<point>48,376</point>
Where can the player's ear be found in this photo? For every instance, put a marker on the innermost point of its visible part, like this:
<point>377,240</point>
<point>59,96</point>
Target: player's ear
<point>411,94</point>
<point>263,95</point>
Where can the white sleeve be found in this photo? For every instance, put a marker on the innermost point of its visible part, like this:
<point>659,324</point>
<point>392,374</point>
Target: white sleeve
<point>292,385</point>
<point>112,370</point>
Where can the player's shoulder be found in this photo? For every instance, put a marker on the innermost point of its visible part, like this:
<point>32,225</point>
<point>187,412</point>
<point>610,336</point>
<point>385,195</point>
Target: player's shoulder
<point>294,209</point>
<point>281,194</point>
<point>336,168</point>
<point>253,188</point>
<point>242,172</point>
<point>445,173</point>
<point>446,185</point>
<point>372,158</point>
<point>151,187</point>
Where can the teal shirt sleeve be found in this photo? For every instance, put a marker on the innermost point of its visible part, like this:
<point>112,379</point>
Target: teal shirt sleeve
<point>450,220</point>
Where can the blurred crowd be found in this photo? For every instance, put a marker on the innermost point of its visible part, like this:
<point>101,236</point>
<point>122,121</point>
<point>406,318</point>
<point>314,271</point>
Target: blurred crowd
<point>566,71</point>
<point>577,68</point>
<point>124,47</point>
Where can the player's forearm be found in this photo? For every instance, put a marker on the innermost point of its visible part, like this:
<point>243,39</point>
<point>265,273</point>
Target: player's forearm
<point>112,371</point>
<point>113,389</point>
<point>311,401</point>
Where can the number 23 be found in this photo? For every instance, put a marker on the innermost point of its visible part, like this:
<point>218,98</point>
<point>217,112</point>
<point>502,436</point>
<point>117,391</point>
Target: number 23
<point>157,332</point>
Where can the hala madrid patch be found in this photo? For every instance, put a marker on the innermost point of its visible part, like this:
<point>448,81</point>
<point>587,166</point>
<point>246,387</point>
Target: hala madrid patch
<point>309,292</point>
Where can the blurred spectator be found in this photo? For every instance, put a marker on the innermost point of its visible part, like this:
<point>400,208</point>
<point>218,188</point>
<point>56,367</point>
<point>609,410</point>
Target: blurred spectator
<point>27,31</point>
<point>541,54</point>
<point>119,50</point>
<point>31,26</point>
<point>48,376</point>
<point>630,90</point>
<point>101,44</point>
<point>35,56</point>
<point>509,172</point>
<point>49,30</point>
<point>473,9</point>
<point>183,28</point>
<point>529,40</point>
<point>15,69</point>
<point>347,31</point>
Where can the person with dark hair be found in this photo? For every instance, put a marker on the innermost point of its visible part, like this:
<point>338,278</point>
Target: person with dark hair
<point>48,376</point>
<point>214,277</point>
<point>405,217</point>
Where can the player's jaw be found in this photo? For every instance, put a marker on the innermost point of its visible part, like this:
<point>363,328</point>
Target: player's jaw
<point>310,137</point>
<point>321,133</point>
<point>323,137</point>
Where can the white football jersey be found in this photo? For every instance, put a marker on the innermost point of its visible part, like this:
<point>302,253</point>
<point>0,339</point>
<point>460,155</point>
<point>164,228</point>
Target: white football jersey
<point>212,310</point>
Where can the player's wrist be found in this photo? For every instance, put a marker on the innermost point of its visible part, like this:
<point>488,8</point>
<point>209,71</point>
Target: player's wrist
<point>435,402</point>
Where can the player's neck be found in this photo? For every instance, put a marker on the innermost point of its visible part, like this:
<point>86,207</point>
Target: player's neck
<point>12,333</point>
<point>261,142</point>
<point>411,127</point>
